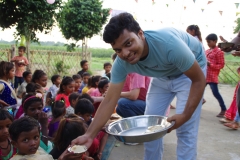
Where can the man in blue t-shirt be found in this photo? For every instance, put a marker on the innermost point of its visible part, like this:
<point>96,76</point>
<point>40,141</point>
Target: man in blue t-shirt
<point>177,63</point>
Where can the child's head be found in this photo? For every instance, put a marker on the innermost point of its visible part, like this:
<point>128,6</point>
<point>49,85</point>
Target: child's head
<point>103,86</point>
<point>27,75</point>
<point>67,85</point>
<point>40,77</point>
<point>93,81</point>
<point>85,77</point>
<point>107,67</point>
<point>194,31</point>
<point>86,96</point>
<point>212,40</point>
<point>6,70</point>
<point>25,135</point>
<point>68,130</point>
<point>56,79</point>
<point>21,50</point>
<point>78,80</point>
<point>84,108</point>
<point>5,121</point>
<point>84,65</point>
<point>34,87</point>
<point>73,98</point>
<point>32,104</point>
<point>58,108</point>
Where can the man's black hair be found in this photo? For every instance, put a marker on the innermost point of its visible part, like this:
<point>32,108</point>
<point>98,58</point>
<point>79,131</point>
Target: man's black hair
<point>119,23</point>
<point>212,37</point>
<point>24,124</point>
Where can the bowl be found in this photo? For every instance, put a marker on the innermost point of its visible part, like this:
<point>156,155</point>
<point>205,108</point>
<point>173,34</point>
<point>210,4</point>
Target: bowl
<point>135,129</point>
<point>225,45</point>
<point>77,149</point>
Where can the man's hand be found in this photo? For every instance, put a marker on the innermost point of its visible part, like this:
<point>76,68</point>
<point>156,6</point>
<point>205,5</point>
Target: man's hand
<point>179,119</point>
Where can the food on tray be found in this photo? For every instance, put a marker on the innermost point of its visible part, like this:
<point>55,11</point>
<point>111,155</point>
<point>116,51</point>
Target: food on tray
<point>78,149</point>
<point>155,128</point>
<point>115,116</point>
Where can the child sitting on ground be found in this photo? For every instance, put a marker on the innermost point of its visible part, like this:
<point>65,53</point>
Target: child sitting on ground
<point>58,112</point>
<point>93,84</point>
<point>6,150</point>
<point>67,87</point>
<point>73,98</point>
<point>53,90</point>
<point>84,83</point>
<point>78,80</point>
<point>7,94</point>
<point>84,109</point>
<point>27,76</point>
<point>25,135</point>
<point>69,129</point>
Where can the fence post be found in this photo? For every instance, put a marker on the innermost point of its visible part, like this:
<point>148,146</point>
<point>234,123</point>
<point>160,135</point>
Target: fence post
<point>48,64</point>
<point>13,51</point>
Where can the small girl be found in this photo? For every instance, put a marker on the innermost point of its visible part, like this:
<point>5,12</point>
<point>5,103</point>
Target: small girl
<point>73,98</point>
<point>69,129</point>
<point>93,82</point>
<point>66,88</point>
<point>78,80</point>
<point>33,105</point>
<point>58,112</point>
<point>6,150</point>
<point>8,96</point>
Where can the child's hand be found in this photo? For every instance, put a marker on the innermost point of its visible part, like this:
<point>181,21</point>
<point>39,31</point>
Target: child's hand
<point>43,119</point>
<point>69,156</point>
<point>4,103</point>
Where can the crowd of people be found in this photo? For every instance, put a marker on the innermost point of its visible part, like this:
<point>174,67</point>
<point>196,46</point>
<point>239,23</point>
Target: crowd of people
<point>41,123</point>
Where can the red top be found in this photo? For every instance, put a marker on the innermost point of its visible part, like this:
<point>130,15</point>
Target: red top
<point>216,58</point>
<point>65,97</point>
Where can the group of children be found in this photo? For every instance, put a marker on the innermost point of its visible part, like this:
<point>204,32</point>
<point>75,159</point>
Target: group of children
<point>45,121</point>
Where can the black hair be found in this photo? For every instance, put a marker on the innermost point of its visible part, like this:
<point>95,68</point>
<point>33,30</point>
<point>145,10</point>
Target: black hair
<point>83,62</point>
<point>65,81</point>
<point>212,37</point>
<point>68,130</point>
<point>27,102</point>
<point>54,78</point>
<point>107,64</point>
<point>114,56</point>
<point>23,48</point>
<point>84,106</point>
<point>32,87</point>
<point>197,31</point>
<point>76,76</point>
<point>37,75</point>
<point>86,74</point>
<point>93,80</point>
<point>26,73</point>
<point>119,23</point>
<point>108,75</point>
<point>102,83</point>
<point>24,124</point>
<point>86,96</point>
<point>5,68</point>
<point>4,114</point>
<point>73,96</point>
<point>58,108</point>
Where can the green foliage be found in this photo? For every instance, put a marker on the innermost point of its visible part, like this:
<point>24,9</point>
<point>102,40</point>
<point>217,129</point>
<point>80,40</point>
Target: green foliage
<point>79,19</point>
<point>237,28</point>
<point>61,68</point>
<point>29,16</point>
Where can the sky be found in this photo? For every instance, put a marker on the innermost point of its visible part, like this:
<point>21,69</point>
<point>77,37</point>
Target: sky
<point>163,13</point>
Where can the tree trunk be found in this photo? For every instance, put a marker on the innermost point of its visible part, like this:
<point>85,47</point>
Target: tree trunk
<point>28,53</point>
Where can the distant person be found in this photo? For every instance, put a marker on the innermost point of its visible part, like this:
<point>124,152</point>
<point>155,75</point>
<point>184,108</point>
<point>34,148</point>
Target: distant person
<point>215,62</point>
<point>84,65</point>
<point>107,68</point>
<point>27,76</point>
<point>53,90</point>
<point>20,63</point>
<point>84,83</point>
<point>78,80</point>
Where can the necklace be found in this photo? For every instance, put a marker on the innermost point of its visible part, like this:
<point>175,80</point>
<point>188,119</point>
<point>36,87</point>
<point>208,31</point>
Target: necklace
<point>6,147</point>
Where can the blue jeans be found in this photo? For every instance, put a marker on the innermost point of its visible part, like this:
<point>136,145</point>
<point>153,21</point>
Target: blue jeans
<point>237,118</point>
<point>129,108</point>
<point>217,95</point>
<point>18,80</point>
<point>160,94</point>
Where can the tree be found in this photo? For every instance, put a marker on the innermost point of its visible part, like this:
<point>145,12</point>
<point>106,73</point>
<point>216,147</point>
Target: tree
<point>81,19</point>
<point>237,28</point>
<point>29,17</point>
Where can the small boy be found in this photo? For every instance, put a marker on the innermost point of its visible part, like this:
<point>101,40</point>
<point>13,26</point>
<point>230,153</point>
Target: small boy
<point>27,75</point>
<point>25,136</point>
<point>84,109</point>
<point>56,81</point>
<point>78,80</point>
<point>84,66</point>
<point>215,62</point>
<point>20,62</point>
<point>85,78</point>
<point>73,98</point>
<point>107,68</point>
